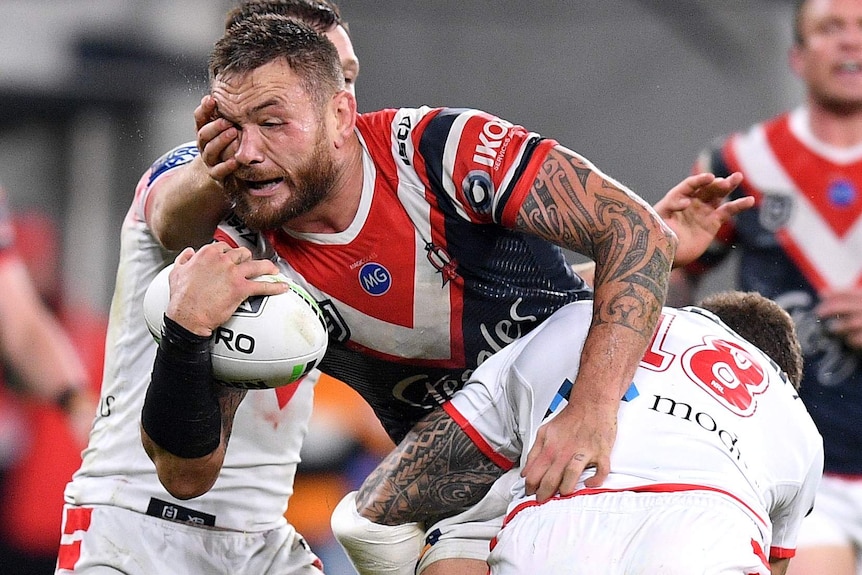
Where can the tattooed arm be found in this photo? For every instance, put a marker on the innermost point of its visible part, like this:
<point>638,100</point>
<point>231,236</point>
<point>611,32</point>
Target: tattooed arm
<point>577,207</point>
<point>435,472</point>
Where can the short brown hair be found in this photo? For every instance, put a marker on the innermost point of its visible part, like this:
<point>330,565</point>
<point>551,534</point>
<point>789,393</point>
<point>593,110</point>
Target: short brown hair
<point>321,15</point>
<point>762,322</point>
<point>263,38</point>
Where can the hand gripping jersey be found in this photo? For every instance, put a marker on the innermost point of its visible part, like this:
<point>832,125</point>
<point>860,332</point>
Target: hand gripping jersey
<point>804,235</point>
<point>428,281</point>
<point>706,411</point>
<point>256,481</point>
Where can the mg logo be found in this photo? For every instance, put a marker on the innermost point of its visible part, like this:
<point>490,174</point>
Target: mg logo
<point>375,279</point>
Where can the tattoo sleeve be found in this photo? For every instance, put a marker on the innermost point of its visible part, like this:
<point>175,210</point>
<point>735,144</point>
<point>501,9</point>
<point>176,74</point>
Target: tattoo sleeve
<point>574,205</point>
<point>435,472</point>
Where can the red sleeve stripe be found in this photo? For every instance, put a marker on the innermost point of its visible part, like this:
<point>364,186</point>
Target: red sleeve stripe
<point>477,438</point>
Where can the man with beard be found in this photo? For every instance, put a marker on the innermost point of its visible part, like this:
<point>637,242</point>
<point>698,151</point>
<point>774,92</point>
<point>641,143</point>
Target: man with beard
<point>118,518</point>
<point>431,238</point>
<point>801,247</point>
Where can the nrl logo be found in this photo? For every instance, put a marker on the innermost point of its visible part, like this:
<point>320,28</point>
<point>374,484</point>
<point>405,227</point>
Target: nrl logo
<point>775,211</point>
<point>252,306</point>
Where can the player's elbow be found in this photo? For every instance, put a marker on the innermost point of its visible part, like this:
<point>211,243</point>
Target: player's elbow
<point>183,486</point>
<point>184,478</point>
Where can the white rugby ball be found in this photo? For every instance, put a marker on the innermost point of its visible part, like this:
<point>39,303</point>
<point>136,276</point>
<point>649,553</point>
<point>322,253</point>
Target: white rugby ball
<point>269,341</point>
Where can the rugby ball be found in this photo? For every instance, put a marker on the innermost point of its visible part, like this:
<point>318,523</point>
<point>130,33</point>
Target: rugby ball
<point>269,341</point>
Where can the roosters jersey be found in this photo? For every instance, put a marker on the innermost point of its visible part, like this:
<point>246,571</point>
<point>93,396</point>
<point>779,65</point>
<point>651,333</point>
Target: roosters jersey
<point>429,279</point>
<point>804,235</point>
<point>256,481</point>
<point>706,411</point>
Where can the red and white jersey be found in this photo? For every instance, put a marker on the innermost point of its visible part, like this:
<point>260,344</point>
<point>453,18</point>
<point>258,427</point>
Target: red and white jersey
<point>256,481</point>
<point>706,411</point>
<point>429,279</point>
<point>803,236</point>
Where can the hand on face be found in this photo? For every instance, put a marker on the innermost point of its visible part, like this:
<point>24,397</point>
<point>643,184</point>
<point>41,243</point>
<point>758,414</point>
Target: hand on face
<point>217,140</point>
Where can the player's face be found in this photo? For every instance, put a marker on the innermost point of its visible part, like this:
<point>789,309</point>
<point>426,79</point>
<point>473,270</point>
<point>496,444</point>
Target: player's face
<point>286,163</point>
<point>341,40</point>
<point>829,60</point>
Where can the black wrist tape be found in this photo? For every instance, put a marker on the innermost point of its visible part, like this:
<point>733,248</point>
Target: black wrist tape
<point>181,412</point>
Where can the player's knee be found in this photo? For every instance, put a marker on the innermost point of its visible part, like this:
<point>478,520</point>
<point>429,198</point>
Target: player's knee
<point>375,548</point>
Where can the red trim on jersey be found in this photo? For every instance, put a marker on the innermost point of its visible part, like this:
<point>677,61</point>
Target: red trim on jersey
<point>846,476</point>
<point>525,183</point>
<point>787,243</point>
<point>813,174</point>
<point>285,393</point>
<point>757,549</point>
<point>437,221</point>
<point>221,236</point>
<point>781,553</point>
<point>477,438</point>
<point>656,488</point>
<point>77,519</point>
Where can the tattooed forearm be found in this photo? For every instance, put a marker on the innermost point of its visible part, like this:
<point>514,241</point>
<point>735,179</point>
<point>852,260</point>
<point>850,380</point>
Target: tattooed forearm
<point>436,471</point>
<point>578,208</point>
<point>229,400</point>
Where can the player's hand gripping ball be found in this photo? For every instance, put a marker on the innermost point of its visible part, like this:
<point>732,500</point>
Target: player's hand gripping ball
<point>269,341</point>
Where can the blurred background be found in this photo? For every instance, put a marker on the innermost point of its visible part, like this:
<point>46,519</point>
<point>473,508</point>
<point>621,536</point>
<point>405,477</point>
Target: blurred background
<point>93,91</point>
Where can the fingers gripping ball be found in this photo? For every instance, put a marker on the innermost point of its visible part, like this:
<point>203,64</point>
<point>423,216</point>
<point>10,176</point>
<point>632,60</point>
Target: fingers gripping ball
<point>269,341</point>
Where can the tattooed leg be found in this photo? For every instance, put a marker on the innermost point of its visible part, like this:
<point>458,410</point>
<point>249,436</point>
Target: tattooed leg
<point>435,472</point>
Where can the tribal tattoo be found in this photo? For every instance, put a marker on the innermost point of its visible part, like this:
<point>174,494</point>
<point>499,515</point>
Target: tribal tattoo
<point>435,472</point>
<point>575,206</point>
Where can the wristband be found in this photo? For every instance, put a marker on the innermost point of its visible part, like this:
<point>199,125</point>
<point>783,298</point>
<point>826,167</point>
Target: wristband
<point>181,412</point>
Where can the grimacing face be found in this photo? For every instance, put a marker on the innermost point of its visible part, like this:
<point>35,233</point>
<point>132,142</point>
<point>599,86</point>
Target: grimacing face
<point>310,179</point>
<point>829,59</point>
<point>286,165</point>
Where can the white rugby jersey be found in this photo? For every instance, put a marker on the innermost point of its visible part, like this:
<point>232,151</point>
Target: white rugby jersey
<point>253,488</point>
<point>429,279</point>
<point>706,410</point>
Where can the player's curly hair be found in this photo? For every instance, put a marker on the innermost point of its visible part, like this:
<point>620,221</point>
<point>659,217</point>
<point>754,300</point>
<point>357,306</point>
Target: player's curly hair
<point>321,15</point>
<point>762,322</point>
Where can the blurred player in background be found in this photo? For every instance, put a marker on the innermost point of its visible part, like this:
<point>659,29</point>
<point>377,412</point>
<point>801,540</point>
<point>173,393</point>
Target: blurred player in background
<point>51,360</point>
<point>801,246</point>
<point>716,461</point>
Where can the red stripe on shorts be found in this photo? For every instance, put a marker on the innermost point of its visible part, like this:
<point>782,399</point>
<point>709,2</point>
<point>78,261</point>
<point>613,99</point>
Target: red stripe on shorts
<point>77,519</point>
<point>68,555</point>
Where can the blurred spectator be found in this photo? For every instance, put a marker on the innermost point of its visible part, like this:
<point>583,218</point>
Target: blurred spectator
<point>52,366</point>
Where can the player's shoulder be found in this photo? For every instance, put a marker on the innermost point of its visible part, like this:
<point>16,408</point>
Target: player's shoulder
<point>175,157</point>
